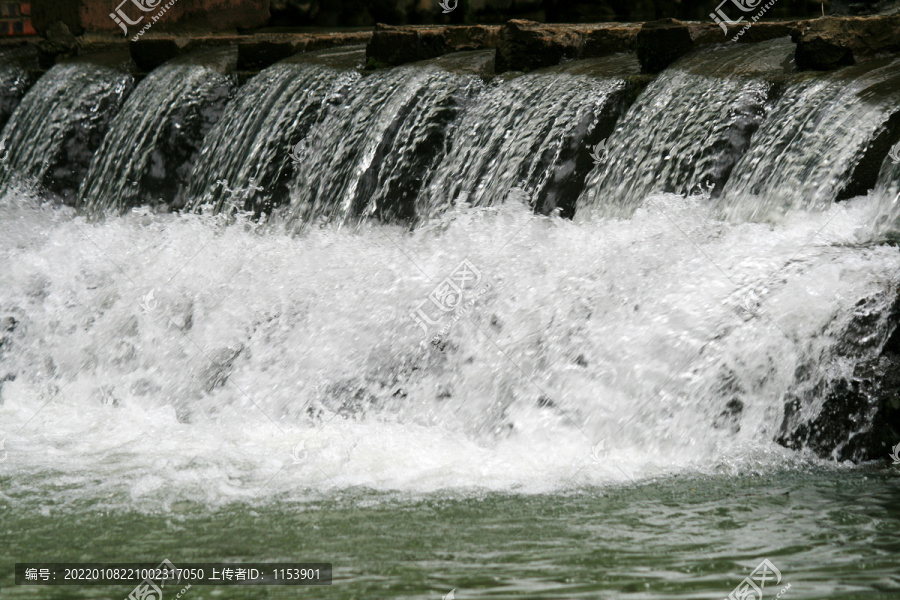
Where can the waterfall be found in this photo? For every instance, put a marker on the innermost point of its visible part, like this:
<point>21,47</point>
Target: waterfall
<point>58,125</point>
<point>246,159</point>
<point>529,135</point>
<point>149,149</point>
<point>369,152</point>
<point>681,339</point>
<point>886,213</point>
<point>807,152</point>
<point>688,128</point>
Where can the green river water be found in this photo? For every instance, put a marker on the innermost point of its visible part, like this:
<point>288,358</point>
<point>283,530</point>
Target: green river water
<point>833,533</point>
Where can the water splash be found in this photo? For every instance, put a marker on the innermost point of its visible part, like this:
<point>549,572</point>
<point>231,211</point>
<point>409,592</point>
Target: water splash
<point>623,331</point>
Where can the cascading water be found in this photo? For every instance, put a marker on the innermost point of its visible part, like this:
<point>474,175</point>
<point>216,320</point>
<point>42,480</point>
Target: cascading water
<point>886,222</point>
<point>528,134</point>
<point>371,149</point>
<point>688,128</point>
<point>806,153</point>
<point>613,398</point>
<point>246,159</point>
<point>60,122</point>
<point>319,326</point>
<point>615,330</point>
<point>150,148</point>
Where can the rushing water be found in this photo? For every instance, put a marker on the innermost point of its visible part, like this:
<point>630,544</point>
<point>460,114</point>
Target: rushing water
<point>253,342</point>
<point>687,130</point>
<point>804,156</point>
<point>246,159</point>
<point>148,152</point>
<point>58,125</point>
<point>372,148</point>
<point>598,417</point>
<point>528,135</point>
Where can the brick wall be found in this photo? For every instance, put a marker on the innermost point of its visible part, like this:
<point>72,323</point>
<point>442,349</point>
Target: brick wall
<point>15,18</point>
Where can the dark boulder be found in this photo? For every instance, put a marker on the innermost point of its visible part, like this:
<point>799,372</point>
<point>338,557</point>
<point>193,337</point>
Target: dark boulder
<point>832,42</point>
<point>660,43</point>
<point>854,417</point>
<point>526,45</point>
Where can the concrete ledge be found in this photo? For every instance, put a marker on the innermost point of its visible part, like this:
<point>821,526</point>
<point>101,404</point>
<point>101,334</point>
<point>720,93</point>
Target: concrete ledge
<point>825,43</point>
<point>396,45</point>
<point>832,42</point>
<point>526,45</point>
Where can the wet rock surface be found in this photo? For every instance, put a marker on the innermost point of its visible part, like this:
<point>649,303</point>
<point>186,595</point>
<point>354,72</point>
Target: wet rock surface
<point>832,42</point>
<point>527,45</point>
<point>858,418</point>
<point>391,45</point>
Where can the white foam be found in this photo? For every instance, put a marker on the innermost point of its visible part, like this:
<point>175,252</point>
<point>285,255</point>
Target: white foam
<point>631,329</point>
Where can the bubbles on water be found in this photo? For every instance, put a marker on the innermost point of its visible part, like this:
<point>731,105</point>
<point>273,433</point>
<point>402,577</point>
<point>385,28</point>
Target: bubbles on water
<point>264,348</point>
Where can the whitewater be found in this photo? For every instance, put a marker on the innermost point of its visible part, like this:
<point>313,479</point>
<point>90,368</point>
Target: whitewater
<point>158,358</point>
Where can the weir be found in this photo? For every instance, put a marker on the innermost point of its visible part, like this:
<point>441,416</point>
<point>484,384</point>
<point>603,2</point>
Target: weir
<point>372,147</point>
<point>251,147</point>
<point>812,150</point>
<point>502,310</point>
<point>528,135</point>
<point>723,329</point>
